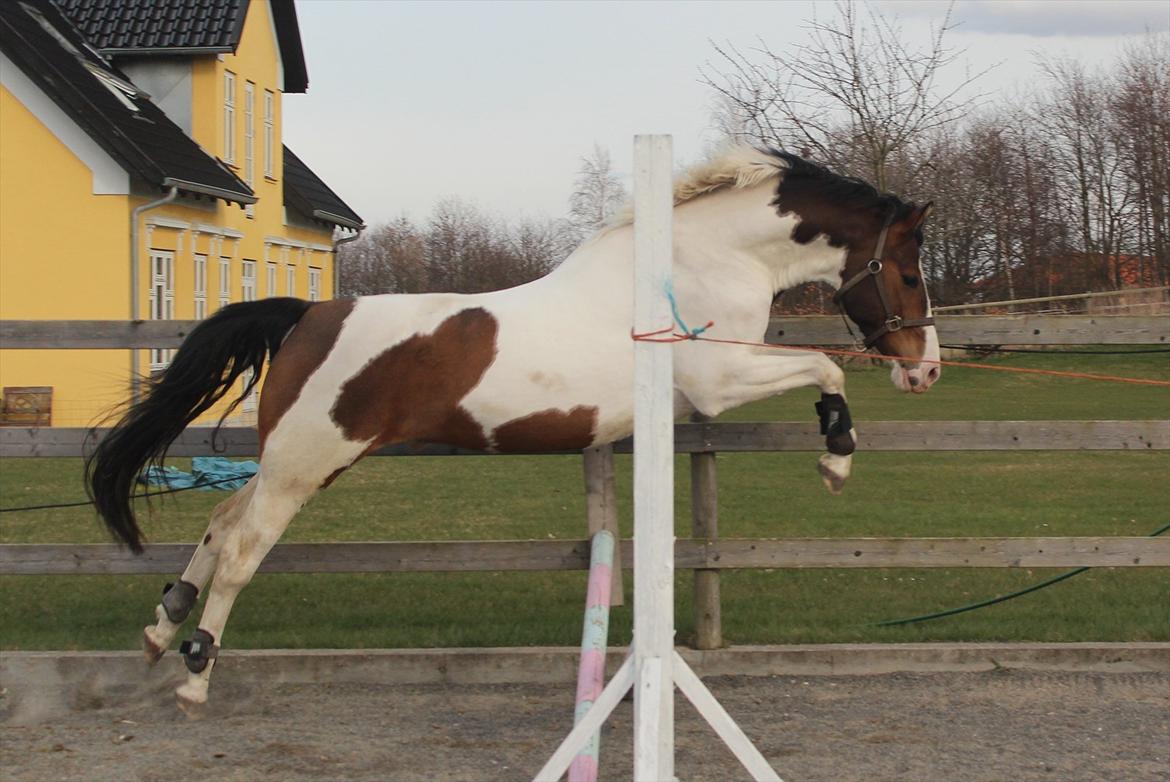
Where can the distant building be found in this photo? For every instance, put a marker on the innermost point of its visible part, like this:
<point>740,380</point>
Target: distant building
<point>161,121</point>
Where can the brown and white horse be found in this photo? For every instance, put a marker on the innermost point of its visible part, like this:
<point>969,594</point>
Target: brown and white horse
<point>543,366</point>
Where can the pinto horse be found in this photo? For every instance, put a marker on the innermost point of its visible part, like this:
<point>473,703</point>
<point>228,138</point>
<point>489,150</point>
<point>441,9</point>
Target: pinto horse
<point>543,366</point>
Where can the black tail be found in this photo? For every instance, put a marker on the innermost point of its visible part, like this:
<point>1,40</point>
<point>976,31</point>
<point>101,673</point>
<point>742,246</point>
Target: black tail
<point>213,356</point>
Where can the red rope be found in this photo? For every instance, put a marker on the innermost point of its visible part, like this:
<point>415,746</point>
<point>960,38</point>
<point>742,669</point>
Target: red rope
<point>654,336</point>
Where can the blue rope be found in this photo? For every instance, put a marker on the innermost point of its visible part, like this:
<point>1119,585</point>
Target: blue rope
<point>690,333</point>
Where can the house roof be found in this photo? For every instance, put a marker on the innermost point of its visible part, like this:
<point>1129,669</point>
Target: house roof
<point>309,195</point>
<point>172,27</point>
<point>106,105</point>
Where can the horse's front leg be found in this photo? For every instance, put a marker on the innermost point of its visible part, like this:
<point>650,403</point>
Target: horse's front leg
<point>754,376</point>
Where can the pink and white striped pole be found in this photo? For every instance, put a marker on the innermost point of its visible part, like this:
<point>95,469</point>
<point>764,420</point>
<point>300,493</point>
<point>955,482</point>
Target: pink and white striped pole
<point>594,637</point>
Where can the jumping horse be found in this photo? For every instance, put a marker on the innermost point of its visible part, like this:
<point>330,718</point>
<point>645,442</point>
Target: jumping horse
<point>543,366</point>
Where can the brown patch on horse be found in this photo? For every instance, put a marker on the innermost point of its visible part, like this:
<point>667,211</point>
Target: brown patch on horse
<point>548,430</point>
<point>412,391</point>
<point>299,357</point>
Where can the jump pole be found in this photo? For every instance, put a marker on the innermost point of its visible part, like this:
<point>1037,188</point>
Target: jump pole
<point>653,668</point>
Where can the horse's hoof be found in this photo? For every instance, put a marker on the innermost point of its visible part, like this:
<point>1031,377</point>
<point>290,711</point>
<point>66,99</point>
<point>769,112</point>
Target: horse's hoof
<point>833,482</point>
<point>151,649</point>
<point>193,708</point>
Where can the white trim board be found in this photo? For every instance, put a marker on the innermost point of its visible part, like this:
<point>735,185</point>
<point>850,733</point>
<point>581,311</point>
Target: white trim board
<point>109,178</point>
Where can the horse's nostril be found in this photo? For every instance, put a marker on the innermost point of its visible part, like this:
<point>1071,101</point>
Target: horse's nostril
<point>932,375</point>
<point>914,381</point>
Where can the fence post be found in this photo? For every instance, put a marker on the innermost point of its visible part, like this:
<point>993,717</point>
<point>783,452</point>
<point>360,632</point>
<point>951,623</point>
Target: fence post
<point>601,510</point>
<point>705,525</point>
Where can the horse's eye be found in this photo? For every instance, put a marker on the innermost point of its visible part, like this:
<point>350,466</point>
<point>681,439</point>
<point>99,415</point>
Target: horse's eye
<point>910,280</point>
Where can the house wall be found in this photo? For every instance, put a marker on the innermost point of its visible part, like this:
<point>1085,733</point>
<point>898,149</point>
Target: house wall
<point>65,252</point>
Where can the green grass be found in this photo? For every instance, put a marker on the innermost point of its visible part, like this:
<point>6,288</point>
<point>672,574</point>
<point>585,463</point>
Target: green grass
<point>761,495</point>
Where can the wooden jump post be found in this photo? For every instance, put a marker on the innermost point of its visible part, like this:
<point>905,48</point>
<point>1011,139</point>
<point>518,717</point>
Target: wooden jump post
<point>654,668</point>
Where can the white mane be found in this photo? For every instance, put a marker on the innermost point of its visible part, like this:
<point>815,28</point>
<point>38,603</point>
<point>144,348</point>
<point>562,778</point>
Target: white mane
<point>739,166</point>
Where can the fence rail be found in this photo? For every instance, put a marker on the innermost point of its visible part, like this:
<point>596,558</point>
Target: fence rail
<point>816,330</point>
<point>527,555</point>
<point>694,438</point>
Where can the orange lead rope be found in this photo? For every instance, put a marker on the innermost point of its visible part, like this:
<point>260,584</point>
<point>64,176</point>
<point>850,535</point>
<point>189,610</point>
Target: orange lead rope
<point>668,335</point>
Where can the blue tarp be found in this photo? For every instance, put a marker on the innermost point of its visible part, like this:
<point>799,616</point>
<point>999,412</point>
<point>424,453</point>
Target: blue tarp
<point>205,470</point>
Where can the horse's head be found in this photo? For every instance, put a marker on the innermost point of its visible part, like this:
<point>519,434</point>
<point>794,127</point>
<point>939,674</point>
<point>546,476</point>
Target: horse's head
<point>883,292</point>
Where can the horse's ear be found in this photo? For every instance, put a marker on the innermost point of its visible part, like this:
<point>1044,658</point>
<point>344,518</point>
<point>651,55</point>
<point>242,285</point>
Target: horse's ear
<point>919,215</point>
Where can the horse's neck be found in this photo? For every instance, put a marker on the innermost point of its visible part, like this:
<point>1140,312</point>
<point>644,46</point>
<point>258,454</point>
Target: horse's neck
<point>738,233</point>
<point>731,239</point>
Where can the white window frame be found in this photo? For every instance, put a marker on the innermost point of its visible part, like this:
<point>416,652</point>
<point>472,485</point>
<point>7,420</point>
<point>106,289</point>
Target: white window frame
<point>162,299</point>
<point>247,281</point>
<point>225,281</point>
<point>270,279</point>
<point>249,131</point>
<point>290,280</point>
<point>314,284</point>
<point>248,293</point>
<point>200,286</point>
<point>269,133</point>
<point>229,116</point>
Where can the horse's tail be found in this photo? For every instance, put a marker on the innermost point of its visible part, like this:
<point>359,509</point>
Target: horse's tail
<point>211,359</point>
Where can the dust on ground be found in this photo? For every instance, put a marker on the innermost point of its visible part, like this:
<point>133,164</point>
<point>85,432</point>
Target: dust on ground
<point>958,727</point>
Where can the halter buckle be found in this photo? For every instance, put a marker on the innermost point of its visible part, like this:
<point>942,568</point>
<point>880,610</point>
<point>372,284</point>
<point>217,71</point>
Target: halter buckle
<point>894,323</point>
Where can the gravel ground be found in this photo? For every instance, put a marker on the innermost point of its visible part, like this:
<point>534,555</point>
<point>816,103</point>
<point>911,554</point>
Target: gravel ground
<point>958,727</point>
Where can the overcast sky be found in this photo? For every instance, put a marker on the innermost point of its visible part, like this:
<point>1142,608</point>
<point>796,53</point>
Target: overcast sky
<point>496,102</point>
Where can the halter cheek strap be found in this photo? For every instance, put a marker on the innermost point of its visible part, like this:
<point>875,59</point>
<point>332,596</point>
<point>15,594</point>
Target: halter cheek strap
<point>873,268</point>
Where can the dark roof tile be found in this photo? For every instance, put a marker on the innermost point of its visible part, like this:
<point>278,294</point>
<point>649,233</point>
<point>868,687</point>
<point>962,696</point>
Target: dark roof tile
<point>52,53</point>
<point>170,26</point>
<point>308,194</point>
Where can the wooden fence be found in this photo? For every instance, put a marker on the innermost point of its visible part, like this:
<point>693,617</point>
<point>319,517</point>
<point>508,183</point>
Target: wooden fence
<point>705,553</point>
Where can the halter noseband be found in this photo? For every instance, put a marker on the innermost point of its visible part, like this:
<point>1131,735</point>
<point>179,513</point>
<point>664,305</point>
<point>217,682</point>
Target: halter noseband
<point>873,268</point>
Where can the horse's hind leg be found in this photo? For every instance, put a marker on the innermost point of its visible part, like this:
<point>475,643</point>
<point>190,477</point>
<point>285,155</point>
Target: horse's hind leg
<point>179,598</point>
<point>264,519</point>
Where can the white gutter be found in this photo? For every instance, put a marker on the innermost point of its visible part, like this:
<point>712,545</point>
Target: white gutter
<point>357,232</point>
<point>135,214</point>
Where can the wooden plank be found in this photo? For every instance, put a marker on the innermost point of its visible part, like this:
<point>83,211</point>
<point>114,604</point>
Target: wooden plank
<point>993,330</point>
<point>601,510</point>
<point>930,436</point>
<point>805,330</point>
<point>707,610</point>
<point>524,555</point>
<point>93,334</point>
<point>20,442</point>
<point>939,552</point>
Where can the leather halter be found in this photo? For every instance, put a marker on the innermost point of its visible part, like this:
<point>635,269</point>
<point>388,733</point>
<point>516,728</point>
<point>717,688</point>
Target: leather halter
<point>873,268</point>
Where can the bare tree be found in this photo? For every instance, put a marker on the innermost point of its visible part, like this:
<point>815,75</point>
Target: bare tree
<point>597,193</point>
<point>855,96</point>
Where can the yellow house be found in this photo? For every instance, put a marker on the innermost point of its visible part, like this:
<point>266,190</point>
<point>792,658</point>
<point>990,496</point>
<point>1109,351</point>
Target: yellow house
<point>143,176</point>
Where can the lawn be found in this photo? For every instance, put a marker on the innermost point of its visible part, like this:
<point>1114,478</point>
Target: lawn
<point>761,495</point>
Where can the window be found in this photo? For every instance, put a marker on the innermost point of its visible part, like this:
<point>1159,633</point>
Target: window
<point>225,282</point>
<point>269,133</point>
<point>314,284</point>
<point>249,130</point>
<point>162,299</point>
<point>200,287</point>
<point>229,116</point>
<point>248,293</point>
<point>270,279</point>
<point>248,281</point>
<point>290,280</point>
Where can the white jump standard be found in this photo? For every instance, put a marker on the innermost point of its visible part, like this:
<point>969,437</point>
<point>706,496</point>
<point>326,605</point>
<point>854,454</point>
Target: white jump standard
<point>653,667</point>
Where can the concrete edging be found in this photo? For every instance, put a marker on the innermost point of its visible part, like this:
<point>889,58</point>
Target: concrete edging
<point>557,665</point>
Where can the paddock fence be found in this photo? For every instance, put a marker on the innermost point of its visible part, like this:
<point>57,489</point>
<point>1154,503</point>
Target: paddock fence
<point>706,553</point>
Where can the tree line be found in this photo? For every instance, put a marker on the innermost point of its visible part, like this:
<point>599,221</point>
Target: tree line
<point>1062,189</point>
